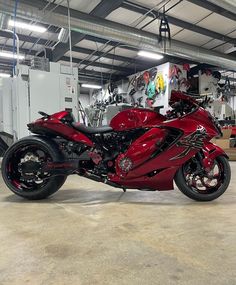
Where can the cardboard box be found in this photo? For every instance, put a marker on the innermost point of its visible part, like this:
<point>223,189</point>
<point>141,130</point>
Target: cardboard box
<point>222,143</point>
<point>226,133</point>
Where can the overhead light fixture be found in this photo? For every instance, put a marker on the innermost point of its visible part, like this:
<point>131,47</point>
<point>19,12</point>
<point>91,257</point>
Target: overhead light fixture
<point>63,36</point>
<point>5,75</point>
<point>10,55</point>
<point>92,86</point>
<point>151,55</point>
<point>25,26</point>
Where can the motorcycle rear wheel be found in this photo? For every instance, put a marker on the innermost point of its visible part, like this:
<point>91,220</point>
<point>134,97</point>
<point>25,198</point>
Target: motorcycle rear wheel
<point>38,150</point>
<point>202,187</point>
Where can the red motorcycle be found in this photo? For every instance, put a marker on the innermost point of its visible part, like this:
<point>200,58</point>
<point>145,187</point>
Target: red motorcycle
<point>141,149</point>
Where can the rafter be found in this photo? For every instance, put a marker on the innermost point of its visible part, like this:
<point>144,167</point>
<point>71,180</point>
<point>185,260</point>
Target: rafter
<point>214,8</point>
<point>177,22</point>
<point>103,9</point>
<point>122,69</point>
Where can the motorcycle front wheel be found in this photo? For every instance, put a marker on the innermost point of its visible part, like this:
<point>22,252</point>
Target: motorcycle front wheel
<point>22,164</point>
<point>200,185</point>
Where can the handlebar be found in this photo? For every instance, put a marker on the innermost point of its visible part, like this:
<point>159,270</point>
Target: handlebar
<point>45,115</point>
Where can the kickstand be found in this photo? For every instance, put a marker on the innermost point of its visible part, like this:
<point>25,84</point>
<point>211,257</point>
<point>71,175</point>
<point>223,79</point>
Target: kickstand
<point>124,190</point>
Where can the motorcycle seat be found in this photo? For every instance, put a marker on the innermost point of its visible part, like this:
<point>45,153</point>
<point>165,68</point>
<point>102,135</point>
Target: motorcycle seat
<point>91,130</point>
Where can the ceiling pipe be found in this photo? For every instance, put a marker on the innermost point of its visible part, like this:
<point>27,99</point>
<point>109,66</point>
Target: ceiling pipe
<point>229,5</point>
<point>94,26</point>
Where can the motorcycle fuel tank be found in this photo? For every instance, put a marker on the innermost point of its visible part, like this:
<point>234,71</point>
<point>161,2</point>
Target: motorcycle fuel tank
<point>135,118</point>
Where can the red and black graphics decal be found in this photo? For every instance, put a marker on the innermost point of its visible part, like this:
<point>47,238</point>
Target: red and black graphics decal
<point>191,142</point>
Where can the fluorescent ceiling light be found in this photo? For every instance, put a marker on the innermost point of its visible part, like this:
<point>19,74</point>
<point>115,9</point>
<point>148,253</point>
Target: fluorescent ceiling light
<point>151,55</point>
<point>10,55</point>
<point>92,86</point>
<point>6,75</point>
<point>22,25</point>
<point>63,36</point>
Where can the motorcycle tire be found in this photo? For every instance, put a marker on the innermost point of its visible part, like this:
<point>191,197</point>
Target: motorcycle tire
<point>36,192</point>
<point>204,196</point>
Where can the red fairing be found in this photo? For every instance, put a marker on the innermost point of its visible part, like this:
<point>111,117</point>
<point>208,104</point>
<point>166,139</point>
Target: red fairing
<point>150,160</point>
<point>135,118</point>
<point>59,115</point>
<point>54,125</point>
<point>162,181</point>
<point>141,150</point>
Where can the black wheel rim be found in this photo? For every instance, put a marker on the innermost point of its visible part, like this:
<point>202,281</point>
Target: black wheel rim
<point>204,181</point>
<point>16,178</point>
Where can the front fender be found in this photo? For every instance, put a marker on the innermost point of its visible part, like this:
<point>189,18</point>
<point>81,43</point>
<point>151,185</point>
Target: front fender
<point>211,152</point>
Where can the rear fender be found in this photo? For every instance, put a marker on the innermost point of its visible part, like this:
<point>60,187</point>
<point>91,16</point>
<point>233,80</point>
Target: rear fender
<point>211,151</point>
<point>43,140</point>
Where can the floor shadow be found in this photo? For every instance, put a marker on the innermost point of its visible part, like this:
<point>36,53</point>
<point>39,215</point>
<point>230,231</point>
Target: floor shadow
<point>96,197</point>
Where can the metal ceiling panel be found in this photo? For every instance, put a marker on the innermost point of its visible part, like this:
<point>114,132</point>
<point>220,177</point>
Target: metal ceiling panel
<point>155,3</point>
<point>218,23</point>
<point>93,45</point>
<point>67,63</point>
<point>110,61</point>
<point>81,5</point>
<point>118,50</point>
<point>91,58</point>
<point>223,48</point>
<point>77,54</point>
<point>191,38</point>
<point>213,43</point>
<point>125,52</point>
<point>99,69</point>
<point>29,46</point>
<point>126,17</point>
<point>233,34</point>
<point>189,12</point>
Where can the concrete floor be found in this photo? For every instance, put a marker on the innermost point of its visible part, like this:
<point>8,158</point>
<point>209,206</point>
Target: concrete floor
<point>89,233</point>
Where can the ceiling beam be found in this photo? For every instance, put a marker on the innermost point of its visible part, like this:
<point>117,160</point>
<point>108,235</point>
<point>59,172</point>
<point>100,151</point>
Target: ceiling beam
<point>214,8</point>
<point>105,55</point>
<point>111,43</point>
<point>22,50</point>
<point>94,79</point>
<point>96,74</point>
<point>177,22</point>
<point>24,38</point>
<point>144,64</point>
<point>103,9</point>
<point>122,69</point>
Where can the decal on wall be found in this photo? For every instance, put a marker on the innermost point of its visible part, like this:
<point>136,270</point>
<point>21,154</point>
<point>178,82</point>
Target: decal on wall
<point>156,84</point>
